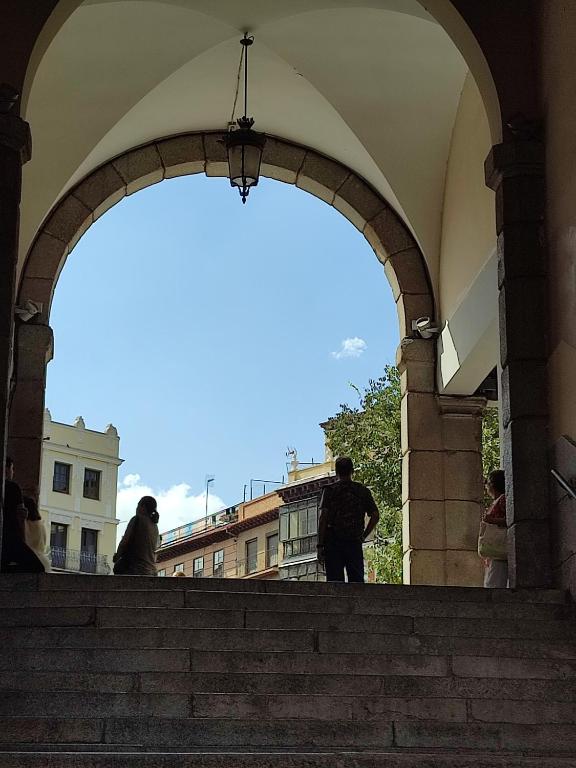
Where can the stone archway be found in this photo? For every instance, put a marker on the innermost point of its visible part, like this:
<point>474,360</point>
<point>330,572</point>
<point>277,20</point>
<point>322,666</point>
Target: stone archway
<point>441,436</point>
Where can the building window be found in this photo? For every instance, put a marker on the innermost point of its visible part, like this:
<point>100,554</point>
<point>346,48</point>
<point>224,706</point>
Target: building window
<point>272,550</point>
<point>218,564</point>
<point>88,550</point>
<point>61,479</point>
<point>161,572</point>
<point>58,544</point>
<point>198,567</point>
<point>92,484</point>
<point>252,556</point>
<point>179,568</point>
<point>299,526</point>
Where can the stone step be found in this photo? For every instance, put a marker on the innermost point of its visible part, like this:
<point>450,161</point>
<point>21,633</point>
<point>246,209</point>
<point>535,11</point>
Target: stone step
<point>396,686</point>
<point>213,759</point>
<point>257,708</point>
<point>337,623</point>
<point>146,733</point>
<point>113,660</point>
<point>85,582</point>
<point>306,603</point>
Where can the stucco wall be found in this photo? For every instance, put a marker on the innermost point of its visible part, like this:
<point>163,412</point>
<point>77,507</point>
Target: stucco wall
<point>467,285</point>
<point>468,226</point>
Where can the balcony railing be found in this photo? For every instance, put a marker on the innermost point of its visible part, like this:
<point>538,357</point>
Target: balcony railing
<point>79,562</point>
<point>296,547</point>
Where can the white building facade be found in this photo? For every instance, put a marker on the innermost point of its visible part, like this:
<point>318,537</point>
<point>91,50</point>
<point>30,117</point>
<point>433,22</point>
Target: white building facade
<point>78,495</point>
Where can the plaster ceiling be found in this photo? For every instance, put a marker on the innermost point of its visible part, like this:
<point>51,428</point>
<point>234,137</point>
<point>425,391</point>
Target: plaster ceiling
<point>374,87</point>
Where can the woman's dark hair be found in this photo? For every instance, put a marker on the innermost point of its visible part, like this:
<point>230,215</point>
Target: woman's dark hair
<point>32,507</point>
<point>496,480</point>
<point>149,504</point>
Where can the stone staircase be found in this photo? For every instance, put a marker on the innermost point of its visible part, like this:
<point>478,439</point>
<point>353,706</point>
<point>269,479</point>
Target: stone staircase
<point>116,672</point>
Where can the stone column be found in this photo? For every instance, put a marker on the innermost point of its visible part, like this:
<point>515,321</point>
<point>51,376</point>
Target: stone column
<point>441,474</point>
<point>463,486</point>
<point>33,351</point>
<point>515,170</point>
<point>15,147</point>
<point>423,524</point>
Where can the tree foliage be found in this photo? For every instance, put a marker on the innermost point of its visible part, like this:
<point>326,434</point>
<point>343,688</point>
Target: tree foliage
<point>370,434</point>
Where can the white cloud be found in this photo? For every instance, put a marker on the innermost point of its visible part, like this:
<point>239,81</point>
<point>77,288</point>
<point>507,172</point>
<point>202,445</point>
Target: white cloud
<point>176,505</point>
<point>351,348</point>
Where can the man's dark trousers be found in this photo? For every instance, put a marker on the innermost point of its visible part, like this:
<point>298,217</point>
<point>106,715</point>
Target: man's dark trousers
<point>344,556</point>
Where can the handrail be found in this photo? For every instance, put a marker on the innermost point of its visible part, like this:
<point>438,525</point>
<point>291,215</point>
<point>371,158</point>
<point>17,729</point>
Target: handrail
<point>564,484</point>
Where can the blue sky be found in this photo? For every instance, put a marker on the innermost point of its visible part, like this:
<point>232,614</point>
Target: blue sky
<point>213,335</point>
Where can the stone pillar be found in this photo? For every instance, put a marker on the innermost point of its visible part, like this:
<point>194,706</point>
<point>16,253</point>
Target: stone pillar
<point>33,351</point>
<point>515,170</point>
<point>15,147</point>
<point>441,474</point>
<point>463,486</point>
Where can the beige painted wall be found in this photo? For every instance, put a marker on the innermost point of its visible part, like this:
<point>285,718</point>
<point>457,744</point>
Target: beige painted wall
<point>81,448</point>
<point>468,225</point>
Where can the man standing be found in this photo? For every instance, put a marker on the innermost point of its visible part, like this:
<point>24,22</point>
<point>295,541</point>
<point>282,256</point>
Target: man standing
<point>344,507</point>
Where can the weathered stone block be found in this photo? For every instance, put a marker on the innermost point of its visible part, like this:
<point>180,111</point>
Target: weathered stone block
<point>526,462</point>
<point>350,213</point>
<point>529,554</point>
<point>525,384</point>
<point>421,423</point>
<point>406,272</point>
<point>46,256</point>
<point>315,188</point>
<point>423,525</point>
<point>140,168</point>
<point>388,231</point>
<point>324,174</point>
<point>464,568</point>
<point>462,433</point>
<point>463,476</point>
<point>182,155</point>
<point>520,200</point>
<point>423,476</point>
<point>215,148</point>
<point>98,188</point>
<point>462,524</point>
<point>417,377</point>
<point>361,198</point>
<point>70,217</point>
<point>423,566</point>
<point>523,312</point>
<point>521,251</point>
<point>282,161</point>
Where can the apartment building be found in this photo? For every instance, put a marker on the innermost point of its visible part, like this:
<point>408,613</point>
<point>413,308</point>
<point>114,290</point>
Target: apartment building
<point>78,495</point>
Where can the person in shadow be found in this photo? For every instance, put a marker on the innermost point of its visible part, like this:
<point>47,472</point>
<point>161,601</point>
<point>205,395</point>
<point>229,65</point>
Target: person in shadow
<point>17,557</point>
<point>136,553</point>
<point>342,528</point>
<point>35,533</point>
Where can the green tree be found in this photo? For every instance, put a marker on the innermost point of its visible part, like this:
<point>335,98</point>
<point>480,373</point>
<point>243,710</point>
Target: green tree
<point>370,435</point>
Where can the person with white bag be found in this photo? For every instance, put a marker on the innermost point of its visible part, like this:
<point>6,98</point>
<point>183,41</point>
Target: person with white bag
<point>492,538</point>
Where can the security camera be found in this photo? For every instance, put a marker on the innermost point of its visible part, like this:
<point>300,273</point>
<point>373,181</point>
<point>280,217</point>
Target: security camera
<point>29,310</point>
<point>424,328</point>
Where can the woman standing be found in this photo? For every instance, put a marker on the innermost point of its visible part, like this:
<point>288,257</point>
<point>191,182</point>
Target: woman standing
<point>496,573</point>
<point>136,553</point>
<point>35,533</point>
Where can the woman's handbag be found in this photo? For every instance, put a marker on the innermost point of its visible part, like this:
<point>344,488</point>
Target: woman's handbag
<point>492,542</point>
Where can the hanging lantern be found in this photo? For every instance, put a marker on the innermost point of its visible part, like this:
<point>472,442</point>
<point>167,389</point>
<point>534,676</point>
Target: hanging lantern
<point>244,146</point>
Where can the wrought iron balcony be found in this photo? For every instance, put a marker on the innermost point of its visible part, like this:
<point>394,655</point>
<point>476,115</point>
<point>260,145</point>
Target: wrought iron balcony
<point>79,562</point>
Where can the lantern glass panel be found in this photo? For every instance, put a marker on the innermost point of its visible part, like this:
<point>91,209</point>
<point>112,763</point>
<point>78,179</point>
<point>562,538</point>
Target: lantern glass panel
<point>244,158</point>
